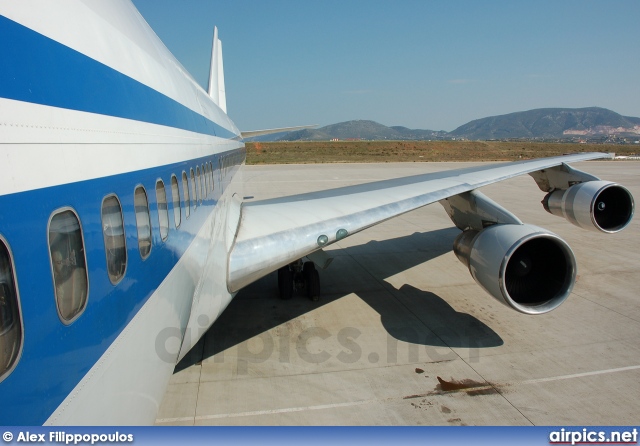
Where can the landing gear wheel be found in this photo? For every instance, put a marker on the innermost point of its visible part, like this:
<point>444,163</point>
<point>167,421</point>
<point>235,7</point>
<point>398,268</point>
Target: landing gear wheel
<point>312,280</point>
<point>285,283</point>
<point>307,267</point>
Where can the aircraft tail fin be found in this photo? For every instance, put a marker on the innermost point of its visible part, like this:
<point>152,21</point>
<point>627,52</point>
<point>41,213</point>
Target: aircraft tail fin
<point>216,74</point>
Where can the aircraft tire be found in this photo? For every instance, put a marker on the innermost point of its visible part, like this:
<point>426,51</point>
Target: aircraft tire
<point>313,285</point>
<point>285,283</point>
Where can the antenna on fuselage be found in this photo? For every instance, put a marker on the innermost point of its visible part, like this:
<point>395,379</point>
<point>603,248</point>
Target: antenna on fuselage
<point>216,74</point>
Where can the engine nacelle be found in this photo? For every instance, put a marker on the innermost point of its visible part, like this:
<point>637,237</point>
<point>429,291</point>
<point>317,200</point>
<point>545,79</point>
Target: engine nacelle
<point>525,267</point>
<point>594,205</point>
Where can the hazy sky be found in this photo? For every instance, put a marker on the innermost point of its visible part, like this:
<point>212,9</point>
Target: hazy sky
<point>417,63</point>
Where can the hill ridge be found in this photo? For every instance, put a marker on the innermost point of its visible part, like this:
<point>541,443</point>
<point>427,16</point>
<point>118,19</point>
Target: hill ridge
<point>541,123</point>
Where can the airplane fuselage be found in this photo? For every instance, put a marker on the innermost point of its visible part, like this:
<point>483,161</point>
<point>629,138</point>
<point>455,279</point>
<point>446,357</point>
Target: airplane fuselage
<point>117,169</point>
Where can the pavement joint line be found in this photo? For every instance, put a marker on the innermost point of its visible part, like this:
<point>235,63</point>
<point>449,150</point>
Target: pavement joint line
<point>558,378</point>
<point>496,388</point>
<point>267,412</point>
<point>363,402</point>
<point>330,372</point>
<point>204,342</point>
<point>580,375</point>
<point>593,301</point>
<point>174,420</point>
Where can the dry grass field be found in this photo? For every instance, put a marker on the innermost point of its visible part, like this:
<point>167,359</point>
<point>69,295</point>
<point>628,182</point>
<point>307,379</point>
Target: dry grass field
<point>414,151</point>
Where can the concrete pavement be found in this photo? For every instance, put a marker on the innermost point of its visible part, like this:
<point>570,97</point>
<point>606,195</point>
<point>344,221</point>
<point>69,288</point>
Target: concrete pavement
<point>399,311</point>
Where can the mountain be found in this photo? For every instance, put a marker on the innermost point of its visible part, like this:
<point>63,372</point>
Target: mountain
<point>361,129</point>
<point>306,135</point>
<point>548,123</point>
<point>414,134</point>
<point>633,120</point>
<point>542,123</point>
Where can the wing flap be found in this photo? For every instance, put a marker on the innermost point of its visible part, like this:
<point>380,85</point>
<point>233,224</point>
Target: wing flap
<point>273,233</point>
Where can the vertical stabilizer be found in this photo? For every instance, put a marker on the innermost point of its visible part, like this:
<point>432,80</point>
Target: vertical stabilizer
<point>216,74</point>
<point>222,95</point>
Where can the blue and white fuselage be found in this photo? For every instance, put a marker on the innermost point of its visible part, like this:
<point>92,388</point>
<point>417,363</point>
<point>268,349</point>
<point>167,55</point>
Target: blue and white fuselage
<point>92,106</point>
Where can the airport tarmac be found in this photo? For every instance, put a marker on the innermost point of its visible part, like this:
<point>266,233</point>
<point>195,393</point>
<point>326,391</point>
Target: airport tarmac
<point>399,313</point>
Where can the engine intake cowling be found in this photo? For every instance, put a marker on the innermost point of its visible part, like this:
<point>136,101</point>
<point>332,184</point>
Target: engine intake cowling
<point>595,205</point>
<point>525,267</point>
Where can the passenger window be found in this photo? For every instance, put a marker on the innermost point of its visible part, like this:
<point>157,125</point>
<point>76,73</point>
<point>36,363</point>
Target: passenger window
<point>198,185</point>
<point>143,221</point>
<point>207,178</point>
<point>10,319</point>
<point>203,182</point>
<point>211,176</point>
<point>194,194</point>
<point>114,240</point>
<point>185,191</point>
<point>205,173</point>
<point>175,194</point>
<point>68,263</point>
<point>163,214</point>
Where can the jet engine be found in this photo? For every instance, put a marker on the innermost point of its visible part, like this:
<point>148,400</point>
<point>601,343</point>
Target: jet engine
<point>523,266</point>
<point>594,205</point>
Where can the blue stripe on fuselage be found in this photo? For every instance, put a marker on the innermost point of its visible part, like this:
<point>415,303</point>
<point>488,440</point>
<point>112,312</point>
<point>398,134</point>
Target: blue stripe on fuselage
<point>55,356</point>
<point>39,70</point>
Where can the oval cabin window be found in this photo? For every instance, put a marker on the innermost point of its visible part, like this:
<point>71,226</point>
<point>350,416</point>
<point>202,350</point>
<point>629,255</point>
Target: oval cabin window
<point>10,320</point>
<point>114,240</point>
<point>68,263</point>
<point>211,176</point>
<point>185,191</point>
<point>143,221</point>
<point>198,185</point>
<point>175,195</point>
<point>194,195</point>
<point>163,213</point>
<point>203,184</point>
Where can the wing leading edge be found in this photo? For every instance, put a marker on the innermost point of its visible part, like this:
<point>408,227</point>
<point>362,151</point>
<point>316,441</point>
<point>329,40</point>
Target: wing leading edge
<point>274,233</point>
<point>254,133</point>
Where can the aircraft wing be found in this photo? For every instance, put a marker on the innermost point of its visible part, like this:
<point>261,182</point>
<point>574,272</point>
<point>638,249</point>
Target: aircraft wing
<point>253,133</point>
<point>273,233</point>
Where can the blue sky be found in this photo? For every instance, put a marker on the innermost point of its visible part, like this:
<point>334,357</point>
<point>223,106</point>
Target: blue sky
<point>417,63</point>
